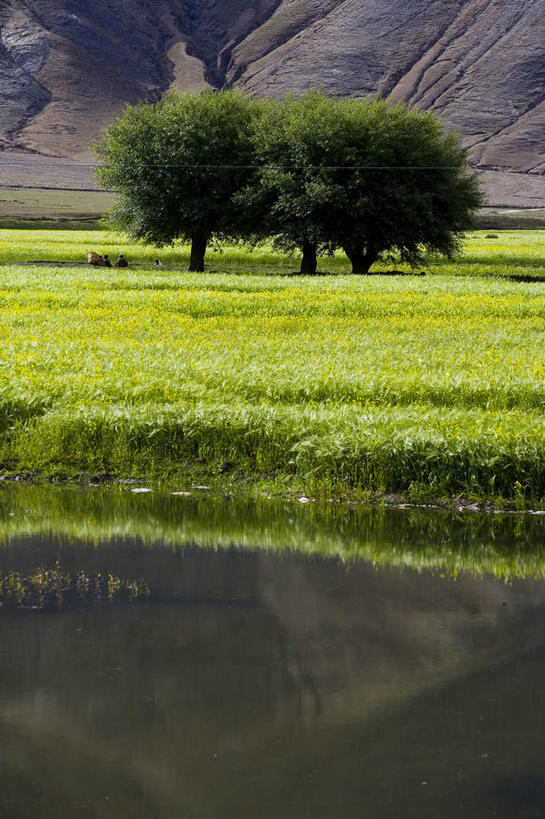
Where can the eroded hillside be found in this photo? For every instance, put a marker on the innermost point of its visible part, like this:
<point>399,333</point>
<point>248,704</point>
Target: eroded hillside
<point>68,67</point>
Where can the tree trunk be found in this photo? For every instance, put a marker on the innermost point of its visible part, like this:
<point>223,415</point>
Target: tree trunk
<point>309,261</point>
<point>361,261</point>
<point>198,249</point>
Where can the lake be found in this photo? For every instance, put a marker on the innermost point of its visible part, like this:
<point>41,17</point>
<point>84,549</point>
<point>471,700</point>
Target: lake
<point>291,660</point>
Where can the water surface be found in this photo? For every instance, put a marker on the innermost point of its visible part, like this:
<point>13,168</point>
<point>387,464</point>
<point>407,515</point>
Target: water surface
<point>291,661</point>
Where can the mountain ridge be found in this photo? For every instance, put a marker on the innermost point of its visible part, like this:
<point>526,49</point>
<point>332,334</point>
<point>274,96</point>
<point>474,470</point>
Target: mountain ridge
<point>68,68</point>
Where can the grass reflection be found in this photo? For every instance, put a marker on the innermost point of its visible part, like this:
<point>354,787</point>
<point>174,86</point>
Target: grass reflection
<point>508,546</point>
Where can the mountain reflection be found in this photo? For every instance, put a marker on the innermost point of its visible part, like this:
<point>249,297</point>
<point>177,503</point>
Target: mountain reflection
<point>272,683</point>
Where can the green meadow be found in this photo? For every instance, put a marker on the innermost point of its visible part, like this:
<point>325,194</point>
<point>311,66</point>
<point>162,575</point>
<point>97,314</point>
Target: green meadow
<point>513,253</point>
<point>248,376</point>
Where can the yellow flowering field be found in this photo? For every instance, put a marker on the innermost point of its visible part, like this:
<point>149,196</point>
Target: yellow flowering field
<point>386,383</point>
<point>513,253</point>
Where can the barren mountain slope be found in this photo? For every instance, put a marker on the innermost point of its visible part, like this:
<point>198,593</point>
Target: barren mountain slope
<point>67,67</point>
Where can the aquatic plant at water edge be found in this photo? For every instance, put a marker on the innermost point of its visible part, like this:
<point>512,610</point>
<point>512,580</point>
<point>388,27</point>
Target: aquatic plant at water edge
<point>53,589</point>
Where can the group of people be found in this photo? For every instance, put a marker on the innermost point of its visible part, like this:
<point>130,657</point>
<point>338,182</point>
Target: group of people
<point>121,262</point>
<point>104,261</point>
<point>96,260</point>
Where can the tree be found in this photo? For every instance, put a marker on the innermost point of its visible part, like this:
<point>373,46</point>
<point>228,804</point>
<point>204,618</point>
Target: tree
<point>177,165</point>
<point>364,176</point>
<point>409,190</point>
<point>294,142</point>
<point>314,172</point>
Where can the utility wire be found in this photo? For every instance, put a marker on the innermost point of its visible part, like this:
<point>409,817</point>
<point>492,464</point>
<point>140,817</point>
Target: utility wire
<point>252,167</point>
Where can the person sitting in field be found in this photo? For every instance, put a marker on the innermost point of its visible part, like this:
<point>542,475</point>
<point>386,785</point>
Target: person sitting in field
<point>107,262</point>
<point>157,263</point>
<point>121,262</point>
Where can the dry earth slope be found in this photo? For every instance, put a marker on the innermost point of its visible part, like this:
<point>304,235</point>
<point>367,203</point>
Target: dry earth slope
<point>68,67</point>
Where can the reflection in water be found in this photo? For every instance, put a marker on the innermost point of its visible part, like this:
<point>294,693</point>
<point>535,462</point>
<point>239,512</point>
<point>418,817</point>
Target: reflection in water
<point>506,545</point>
<point>271,684</point>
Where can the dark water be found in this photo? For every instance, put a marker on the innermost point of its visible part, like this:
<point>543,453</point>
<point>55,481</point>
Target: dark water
<point>329,675</point>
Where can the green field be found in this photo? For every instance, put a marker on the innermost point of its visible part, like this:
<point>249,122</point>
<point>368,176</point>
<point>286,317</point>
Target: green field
<point>414,384</point>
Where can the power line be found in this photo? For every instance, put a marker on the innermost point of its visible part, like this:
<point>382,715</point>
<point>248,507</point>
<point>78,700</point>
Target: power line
<point>253,167</point>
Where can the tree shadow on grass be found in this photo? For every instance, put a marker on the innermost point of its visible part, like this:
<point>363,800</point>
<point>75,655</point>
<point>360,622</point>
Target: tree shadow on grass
<point>360,275</point>
<point>498,261</point>
<point>526,278</point>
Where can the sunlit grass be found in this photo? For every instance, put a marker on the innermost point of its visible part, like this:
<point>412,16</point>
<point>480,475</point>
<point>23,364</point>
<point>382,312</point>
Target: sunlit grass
<point>513,253</point>
<point>433,383</point>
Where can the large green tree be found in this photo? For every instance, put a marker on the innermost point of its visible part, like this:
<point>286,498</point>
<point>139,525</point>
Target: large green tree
<point>295,142</point>
<point>177,165</point>
<point>364,176</point>
<point>405,187</point>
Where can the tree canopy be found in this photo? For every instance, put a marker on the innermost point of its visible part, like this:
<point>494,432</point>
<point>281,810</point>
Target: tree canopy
<point>312,172</point>
<point>364,176</point>
<point>177,164</point>
<point>295,143</point>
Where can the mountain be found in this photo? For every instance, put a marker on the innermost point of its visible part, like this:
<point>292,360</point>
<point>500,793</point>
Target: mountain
<point>68,67</point>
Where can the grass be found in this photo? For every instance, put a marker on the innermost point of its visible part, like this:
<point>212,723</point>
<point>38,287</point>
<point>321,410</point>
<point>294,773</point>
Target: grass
<point>88,223</point>
<point>511,219</point>
<point>515,254</point>
<point>73,246</point>
<point>418,385</point>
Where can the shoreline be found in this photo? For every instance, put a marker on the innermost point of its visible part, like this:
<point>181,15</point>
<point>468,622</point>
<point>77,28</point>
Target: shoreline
<point>248,488</point>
